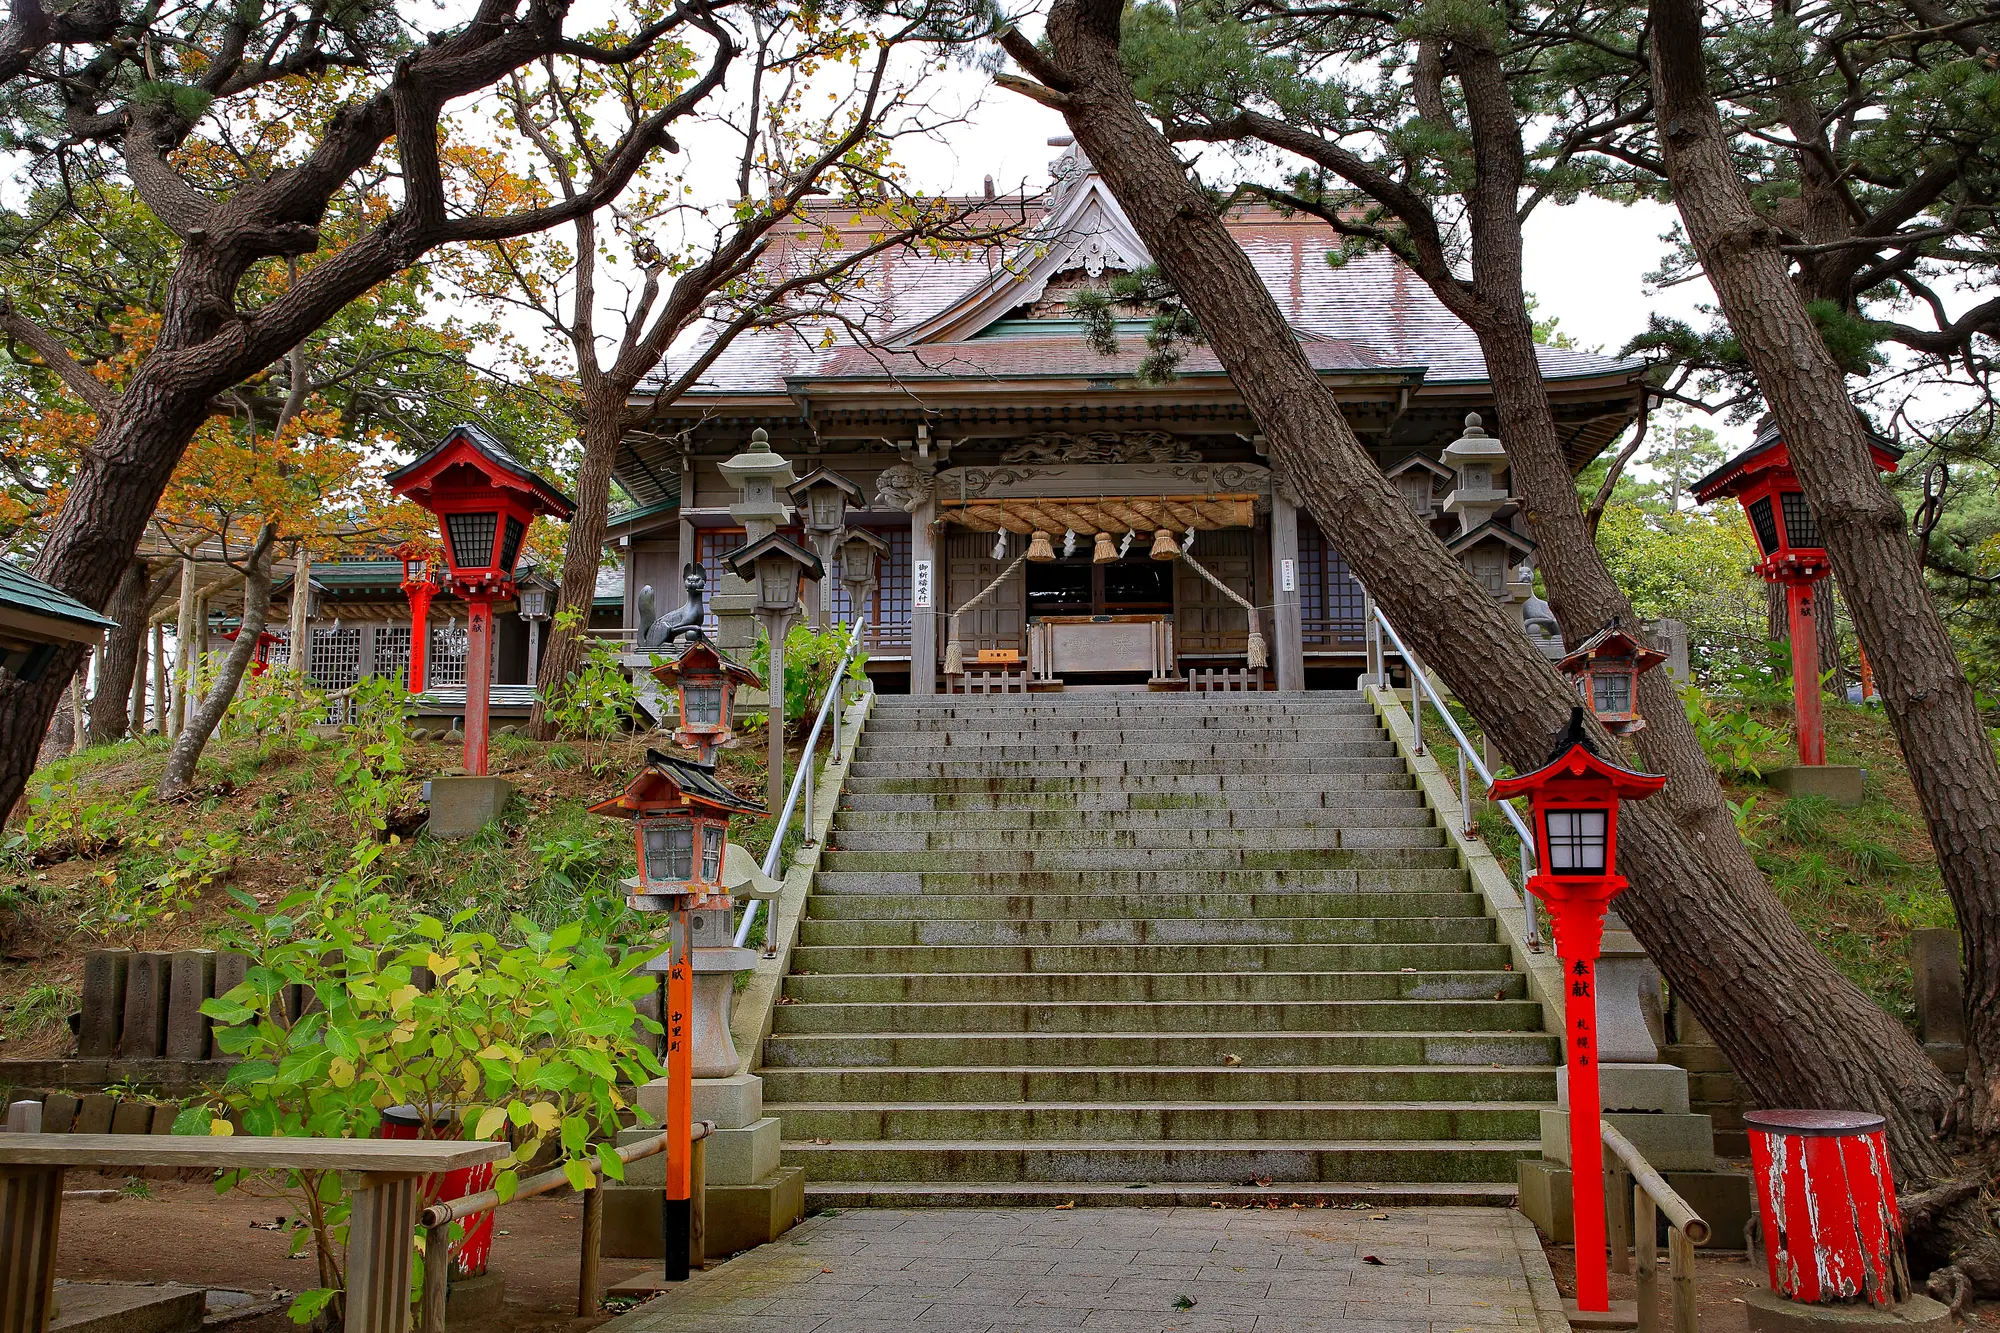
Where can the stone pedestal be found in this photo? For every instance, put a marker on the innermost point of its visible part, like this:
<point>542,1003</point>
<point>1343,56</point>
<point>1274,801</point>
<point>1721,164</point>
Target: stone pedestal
<point>750,1199</point>
<point>716,963</point>
<point>461,806</point>
<point>1839,783</point>
<point>1771,1313</point>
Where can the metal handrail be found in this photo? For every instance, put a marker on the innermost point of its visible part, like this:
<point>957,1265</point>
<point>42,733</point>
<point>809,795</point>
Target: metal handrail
<point>802,778</point>
<point>1419,685</point>
<point>1651,1195</point>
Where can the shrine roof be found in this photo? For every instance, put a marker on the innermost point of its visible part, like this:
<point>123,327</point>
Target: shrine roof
<point>929,316</point>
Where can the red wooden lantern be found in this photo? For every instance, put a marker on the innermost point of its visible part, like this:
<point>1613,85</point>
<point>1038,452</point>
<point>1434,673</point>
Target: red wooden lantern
<point>1762,480</point>
<point>705,682</point>
<point>484,499</point>
<point>262,661</point>
<point>420,586</point>
<point>680,825</point>
<point>1606,668</point>
<point>1575,797</point>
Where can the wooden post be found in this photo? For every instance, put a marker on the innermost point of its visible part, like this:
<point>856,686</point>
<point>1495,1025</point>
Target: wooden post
<point>593,1241</point>
<point>1805,675</point>
<point>383,1214</point>
<point>775,626</point>
<point>437,1278</point>
<point>295,614</point>
<point>30,1216</point>
<point>183,656</point>
<point>160,676</point>
<point>1645,1226</point>
<point>1286,627</point>
<point>79,726</point>
<point>135,711</point>
<point>925,589</point>
<point>698,1204</point>
<point>1618,1193</point>
<point>676,1222</point>
<point>478,682</point>
<point>1680,1267</point>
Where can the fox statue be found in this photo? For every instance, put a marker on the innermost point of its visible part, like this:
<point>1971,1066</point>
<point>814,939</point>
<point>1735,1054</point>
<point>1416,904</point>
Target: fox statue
<point>681,622</point>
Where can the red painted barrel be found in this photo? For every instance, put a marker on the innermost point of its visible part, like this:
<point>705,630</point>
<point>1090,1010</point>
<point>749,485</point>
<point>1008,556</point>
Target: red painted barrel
<point>470,1255</point>
<point>1828,1205</point>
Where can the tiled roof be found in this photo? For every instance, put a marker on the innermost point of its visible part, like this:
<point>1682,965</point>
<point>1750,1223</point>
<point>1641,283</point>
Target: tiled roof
<point>1371,311</point>
<point>24,592</point>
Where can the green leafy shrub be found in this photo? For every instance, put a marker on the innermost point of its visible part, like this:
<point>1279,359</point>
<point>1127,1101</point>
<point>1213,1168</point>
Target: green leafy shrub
<point>277,710</point>
<point>529,1034</point>
<point>1733,740</point>
<point>370,771</point>
<point>811,657</point>
<point>151,885</point>
<point>594,704</point>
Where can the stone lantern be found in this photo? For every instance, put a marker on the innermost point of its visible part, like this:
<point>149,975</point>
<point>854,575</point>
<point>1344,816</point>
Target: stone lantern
<point>704,682</point>
<point>824,497</point>
<point>680,818</point>
<point>1606,668</point>
<point>535,603</point>
<point>1575,798</point>
<point>484,498</point>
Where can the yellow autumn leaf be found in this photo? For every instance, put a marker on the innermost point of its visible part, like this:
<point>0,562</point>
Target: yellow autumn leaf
<point>220,1128</point>
<point>441,967</point>
<point>544,1116</point>
<point>341,1072</point>
<point>490,1121</point>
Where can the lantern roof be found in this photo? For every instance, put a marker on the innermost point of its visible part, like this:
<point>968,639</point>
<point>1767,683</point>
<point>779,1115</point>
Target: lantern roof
<point>867,537</point>
<point>701,655</point>
<point>757,460</point>
<point>826,476</point>
<point>1491,530</point>
<point>1613,641</point>
<point>1475,446</point>
<point>1769,454</point>
<point>666,780</point>
<point>742,560</point>
<point>1421,463</point>
<point>1575,757</point>
<point>467,446</point>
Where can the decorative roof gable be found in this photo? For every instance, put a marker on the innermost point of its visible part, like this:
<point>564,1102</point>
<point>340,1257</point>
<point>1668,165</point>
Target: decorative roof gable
<point>1085,228</point>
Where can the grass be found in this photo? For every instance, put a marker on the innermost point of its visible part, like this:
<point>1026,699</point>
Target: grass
<point>1858,881</point>
<point>101,832</point>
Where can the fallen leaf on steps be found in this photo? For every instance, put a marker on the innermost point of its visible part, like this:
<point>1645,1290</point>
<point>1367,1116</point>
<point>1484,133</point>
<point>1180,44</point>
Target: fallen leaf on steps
<point>1371,1259</point>
<point>822,1142</point>
<point>1065,1207</point>
<point>1231,1059</point>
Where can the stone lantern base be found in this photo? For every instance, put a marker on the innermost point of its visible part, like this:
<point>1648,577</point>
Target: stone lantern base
<point>461,806</point>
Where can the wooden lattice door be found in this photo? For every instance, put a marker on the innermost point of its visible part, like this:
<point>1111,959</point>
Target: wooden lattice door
<point>997,622</point>
<point>1207,624</point>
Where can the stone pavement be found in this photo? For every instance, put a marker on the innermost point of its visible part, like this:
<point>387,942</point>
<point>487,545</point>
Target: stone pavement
<point>1133,1270</point>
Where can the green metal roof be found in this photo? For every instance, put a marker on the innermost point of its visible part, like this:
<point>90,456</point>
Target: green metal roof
<point>24,592</point>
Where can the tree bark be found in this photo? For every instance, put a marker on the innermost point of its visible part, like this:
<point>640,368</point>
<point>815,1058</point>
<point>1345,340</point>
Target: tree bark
<point>1796,1030</point>
<point>583,550</point>
<point>1924,688</point>
<point>110,706</point>
<point>186,754</point>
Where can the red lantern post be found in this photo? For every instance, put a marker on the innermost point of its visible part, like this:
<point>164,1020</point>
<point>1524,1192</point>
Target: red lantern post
<point>484,499</point>
<point>1762,480</point>
<point>420,586</point>
<point>1575,797</point>
<point>680,827</point>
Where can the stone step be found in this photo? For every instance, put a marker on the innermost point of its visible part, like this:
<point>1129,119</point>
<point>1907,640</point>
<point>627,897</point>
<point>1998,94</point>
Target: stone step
<point>1001,1050</point>
<point>958,845</point>
<point>1151,858</point>
<point>1044,935</point>
<point>1108,987</point>
<point>1238,757</point>
<point>866,897</point>
<point>1169,1194</point>
<point>1137,732</point>
<point>1264,703</point>
<point>1219,771</point>
<point>1235,806</point>
<point>1296,1162</point>
<point>1166,1016</point>
<point>1405,811</point>
<point>1125,959</point>
<point>1035,1085</point>
<point>1157,1122</point>
<point>1168,789</point>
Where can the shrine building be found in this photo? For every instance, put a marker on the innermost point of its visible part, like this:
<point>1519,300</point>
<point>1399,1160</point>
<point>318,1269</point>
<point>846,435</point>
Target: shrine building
<point>973,412</point>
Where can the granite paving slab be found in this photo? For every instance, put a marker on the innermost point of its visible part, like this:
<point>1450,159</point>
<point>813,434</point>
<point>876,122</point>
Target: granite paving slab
<point>1127,1270</point>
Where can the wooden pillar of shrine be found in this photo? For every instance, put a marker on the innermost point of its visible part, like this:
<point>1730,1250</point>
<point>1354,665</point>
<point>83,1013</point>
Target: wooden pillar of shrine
<point>927,590</point>
<point>1290,655</point>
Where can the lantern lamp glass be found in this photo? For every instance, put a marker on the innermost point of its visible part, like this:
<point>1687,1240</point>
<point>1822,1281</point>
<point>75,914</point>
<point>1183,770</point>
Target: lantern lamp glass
<point>713,836</point>
<point>669,851</point>
<point>701,705</point>
<point>829,507</point>
<point>510,549</point>
<point>416,571</point>
<point>858,560</point>
<point>778,582</point>
<point>1611,692</point>
<point>472,539</point>
<point>534,602</point>
<point>1765,525</point>
<point>1577,841</point>
<point>1801,528</point>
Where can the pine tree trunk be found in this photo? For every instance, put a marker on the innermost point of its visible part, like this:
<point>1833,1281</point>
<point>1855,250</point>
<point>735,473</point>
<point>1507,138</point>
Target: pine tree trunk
<point>186,754</point>
<point>1796,1030</point>
<point>110,706</point>
<point>583,550</point>
<point>1924,688</point>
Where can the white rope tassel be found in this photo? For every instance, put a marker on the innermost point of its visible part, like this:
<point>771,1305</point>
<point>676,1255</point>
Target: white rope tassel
<point>954,652</point>
<point>1259,653</point>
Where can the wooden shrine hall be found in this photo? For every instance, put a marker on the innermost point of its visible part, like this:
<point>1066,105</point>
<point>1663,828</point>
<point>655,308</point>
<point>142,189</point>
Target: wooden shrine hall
<point>978,425</point>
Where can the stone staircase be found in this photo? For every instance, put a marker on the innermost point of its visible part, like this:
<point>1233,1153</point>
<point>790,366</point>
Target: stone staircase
<point>1148,948</point>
